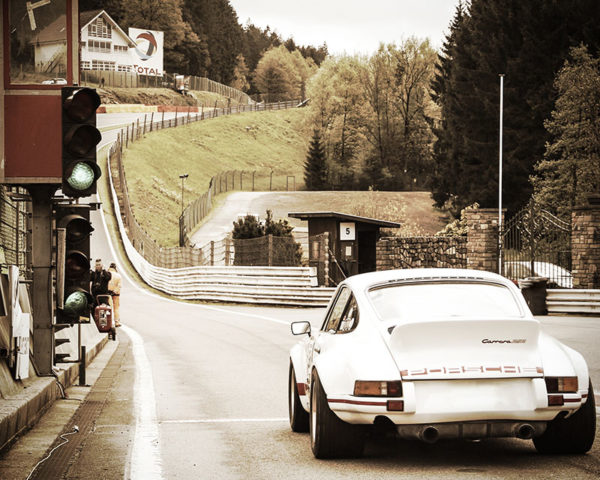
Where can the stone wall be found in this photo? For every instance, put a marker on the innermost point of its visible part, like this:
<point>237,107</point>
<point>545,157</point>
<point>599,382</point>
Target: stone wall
<point>421,252</point>
<point>585,246</point>
<point>482,239</point>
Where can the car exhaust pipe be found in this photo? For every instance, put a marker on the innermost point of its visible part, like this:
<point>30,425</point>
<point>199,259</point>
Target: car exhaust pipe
<point>429,434</point>
<point>525,431</point>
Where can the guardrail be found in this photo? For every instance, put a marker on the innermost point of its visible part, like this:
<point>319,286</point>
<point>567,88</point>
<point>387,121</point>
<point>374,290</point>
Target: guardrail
<point>573,301</point>
<point>292,286</point>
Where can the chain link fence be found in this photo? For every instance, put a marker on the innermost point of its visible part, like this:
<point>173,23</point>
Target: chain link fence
<point>15,228</point>
<point>215,253</point>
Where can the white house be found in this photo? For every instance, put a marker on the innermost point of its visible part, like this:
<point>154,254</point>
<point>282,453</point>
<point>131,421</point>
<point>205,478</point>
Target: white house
<point>104,45</point>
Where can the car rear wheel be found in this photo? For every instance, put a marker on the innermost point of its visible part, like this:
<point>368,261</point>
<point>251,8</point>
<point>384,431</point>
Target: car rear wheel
<point>298,416</point>
<point>570,435</point>
<point>331,437</point>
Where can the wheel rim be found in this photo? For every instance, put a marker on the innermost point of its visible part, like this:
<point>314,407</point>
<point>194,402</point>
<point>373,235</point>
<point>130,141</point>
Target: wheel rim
<point>313,414</point>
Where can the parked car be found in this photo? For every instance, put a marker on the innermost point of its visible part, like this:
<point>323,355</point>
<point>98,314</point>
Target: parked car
<point>557,276</point>
<point>436,353</point>
<point>55,81</point>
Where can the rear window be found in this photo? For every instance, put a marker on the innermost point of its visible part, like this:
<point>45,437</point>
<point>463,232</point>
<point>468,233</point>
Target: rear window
<point>444,299</point>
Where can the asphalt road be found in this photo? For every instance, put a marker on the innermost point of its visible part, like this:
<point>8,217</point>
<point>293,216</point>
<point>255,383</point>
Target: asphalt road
<point>210,401</point>
<point>201,394</point>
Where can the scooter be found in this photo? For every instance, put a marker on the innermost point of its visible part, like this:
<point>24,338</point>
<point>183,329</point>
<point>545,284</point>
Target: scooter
<point>103,316</point>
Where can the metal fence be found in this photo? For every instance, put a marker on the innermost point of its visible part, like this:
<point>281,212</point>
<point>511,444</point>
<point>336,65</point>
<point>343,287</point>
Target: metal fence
<point>15,225</point>
<point>215,253</point>
<point>106,78</point>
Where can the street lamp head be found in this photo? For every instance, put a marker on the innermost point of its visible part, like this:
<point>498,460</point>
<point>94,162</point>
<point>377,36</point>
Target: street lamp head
<point>184,175</point>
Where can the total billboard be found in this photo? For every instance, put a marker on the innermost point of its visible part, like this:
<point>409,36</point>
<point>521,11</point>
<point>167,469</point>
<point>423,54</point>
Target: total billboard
<point>149,51</point>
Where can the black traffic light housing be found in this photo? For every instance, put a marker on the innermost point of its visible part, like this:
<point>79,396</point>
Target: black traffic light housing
<point>73,298</point>
<point>80,170</point>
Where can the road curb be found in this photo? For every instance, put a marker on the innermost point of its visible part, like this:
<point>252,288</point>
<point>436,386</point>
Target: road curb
<point>22,411</point>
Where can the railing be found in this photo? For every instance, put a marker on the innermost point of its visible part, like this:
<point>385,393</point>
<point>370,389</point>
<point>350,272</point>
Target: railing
<point>146,246</point>
<point>110,78</point>
<point>15,248</point>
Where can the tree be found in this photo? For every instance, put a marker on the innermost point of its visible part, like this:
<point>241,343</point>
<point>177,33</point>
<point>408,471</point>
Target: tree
<point>571,165</point>
<point>528,42</point>
<point>240,75</point>
<point>315,169</point>
<point>216,23</point>
<point>276,76</point>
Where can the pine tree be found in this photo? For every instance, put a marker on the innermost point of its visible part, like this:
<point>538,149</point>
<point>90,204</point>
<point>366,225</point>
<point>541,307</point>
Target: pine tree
<point>528,42</point>
<point>315,168</point>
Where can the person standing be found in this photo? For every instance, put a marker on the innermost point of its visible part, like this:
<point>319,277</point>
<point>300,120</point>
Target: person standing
<point>99,279</point>
<point>114,289</point>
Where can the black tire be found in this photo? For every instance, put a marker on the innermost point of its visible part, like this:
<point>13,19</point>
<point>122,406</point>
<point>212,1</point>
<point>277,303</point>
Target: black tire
<point>571,435</point>
<point>331,437</point>
<point>298,416</point>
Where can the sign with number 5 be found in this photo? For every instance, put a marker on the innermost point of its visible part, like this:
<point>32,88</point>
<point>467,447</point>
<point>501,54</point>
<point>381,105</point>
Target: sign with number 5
<point>347,231</point>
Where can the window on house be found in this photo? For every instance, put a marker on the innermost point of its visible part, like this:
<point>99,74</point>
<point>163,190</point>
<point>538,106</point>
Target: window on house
<point>100,28</point>
<point>124,68</point>
<point>98,46</point>
<point>103,65</point>
<point>121,48</point>
<point>85,65</point>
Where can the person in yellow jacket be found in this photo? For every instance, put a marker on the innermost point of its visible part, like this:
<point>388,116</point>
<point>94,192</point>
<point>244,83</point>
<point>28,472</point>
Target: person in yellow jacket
<point>114,288</point>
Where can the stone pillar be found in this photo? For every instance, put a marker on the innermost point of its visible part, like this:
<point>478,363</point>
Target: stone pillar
<point>585,244</point>
<point>482,239</point>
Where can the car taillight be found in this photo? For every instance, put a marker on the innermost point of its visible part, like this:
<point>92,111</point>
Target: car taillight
<point>561,384</point>
<point>369,388</point>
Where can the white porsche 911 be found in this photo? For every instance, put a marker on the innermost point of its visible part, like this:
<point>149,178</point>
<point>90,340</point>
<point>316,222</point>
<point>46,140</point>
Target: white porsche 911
<point>436,353</point>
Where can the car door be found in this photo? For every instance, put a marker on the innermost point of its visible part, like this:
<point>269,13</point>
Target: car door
<point>330,326</point>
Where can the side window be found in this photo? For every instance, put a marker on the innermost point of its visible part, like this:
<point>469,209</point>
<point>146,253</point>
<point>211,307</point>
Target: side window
<point>349,318</point>
<point>337,310</point>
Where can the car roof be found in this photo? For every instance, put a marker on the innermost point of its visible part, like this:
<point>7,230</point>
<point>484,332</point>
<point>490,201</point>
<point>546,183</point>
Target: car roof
<point>366,280</point>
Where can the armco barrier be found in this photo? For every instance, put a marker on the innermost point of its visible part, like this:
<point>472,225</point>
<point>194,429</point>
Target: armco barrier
<point>570,300</point>
<point>293,286</point>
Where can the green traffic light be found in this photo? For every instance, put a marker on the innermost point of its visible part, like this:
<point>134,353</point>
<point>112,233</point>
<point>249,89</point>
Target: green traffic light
<point>76,304</point>
<point>82,177</point>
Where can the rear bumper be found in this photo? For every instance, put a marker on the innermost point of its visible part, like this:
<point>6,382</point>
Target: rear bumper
<point>444,401</point>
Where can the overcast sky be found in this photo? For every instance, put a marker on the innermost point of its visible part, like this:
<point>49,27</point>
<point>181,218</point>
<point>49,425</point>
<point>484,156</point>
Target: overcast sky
<point>351,26</point>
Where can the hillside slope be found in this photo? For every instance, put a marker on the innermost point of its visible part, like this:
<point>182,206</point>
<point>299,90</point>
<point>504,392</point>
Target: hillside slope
<point>264,141</point>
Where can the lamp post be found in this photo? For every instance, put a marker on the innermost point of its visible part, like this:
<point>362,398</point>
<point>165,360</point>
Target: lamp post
<point>501,75</point>
<point>183,177</point>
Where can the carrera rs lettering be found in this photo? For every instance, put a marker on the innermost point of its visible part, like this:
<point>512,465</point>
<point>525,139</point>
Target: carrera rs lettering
<point>516,340</point>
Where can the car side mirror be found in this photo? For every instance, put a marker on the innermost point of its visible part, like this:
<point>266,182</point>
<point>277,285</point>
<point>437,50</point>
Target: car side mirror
<point>301,328</point>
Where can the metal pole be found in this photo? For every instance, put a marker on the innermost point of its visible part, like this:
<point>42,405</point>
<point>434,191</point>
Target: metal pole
<point>500,176</point>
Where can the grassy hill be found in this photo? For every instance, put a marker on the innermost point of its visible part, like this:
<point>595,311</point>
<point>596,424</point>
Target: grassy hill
<point>261,141</point>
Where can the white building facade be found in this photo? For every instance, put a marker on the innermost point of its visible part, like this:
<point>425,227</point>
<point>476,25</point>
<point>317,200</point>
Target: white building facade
<point>104,45</point>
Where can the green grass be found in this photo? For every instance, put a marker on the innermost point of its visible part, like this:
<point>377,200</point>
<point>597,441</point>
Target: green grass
<point>261,141</point>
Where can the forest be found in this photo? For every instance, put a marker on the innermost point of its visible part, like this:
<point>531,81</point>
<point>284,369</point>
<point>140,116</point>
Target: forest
<point>205,38</point>
<point>408,117</point>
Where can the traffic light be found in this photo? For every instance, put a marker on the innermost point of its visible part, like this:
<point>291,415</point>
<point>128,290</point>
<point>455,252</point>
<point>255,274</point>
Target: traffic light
<point>73,298</point>
<point>80,170</point>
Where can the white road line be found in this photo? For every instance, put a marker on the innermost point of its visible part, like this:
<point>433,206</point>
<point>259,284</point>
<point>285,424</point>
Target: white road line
<point>145,461</point>
<point>225,420</point>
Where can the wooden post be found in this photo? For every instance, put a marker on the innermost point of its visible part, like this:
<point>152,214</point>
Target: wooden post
<point>127,138</point>
<point>151,120</point>
<point>144,131</point>
<point>212,253</point>
<point>176,115</point>
<point>162,121</point>
<point>227,251</point>
<point>270,249</point>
